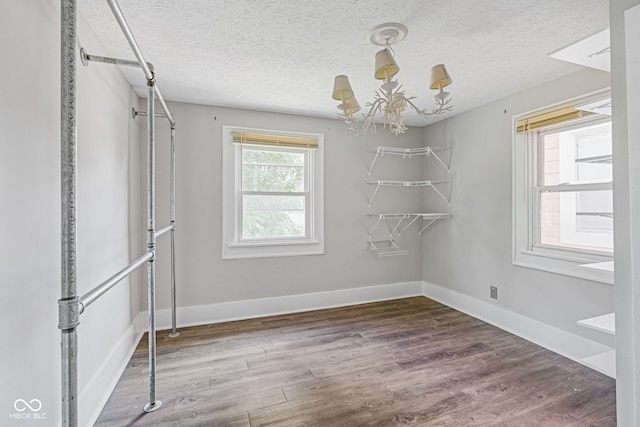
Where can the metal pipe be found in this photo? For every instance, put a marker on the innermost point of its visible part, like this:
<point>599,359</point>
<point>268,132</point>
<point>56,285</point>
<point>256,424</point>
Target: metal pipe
<point>164,106</point>
<point>164,230</point>
<point>91,296</point>
<point>68,303</point>
<point>117,13</point>
<point>151,247</point>
<point>172,179</point>
<point>172,195</point>
<point>85,57</point>
<point>135,113</point>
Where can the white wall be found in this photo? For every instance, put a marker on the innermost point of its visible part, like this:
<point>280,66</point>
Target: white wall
<point>204,279</point>
<point>108,187</point>
<point>625,66</point>
<point>473,250</point>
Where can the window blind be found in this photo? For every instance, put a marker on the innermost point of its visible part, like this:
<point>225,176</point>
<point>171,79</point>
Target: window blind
<point>549,118</point>
<point>274,140</point>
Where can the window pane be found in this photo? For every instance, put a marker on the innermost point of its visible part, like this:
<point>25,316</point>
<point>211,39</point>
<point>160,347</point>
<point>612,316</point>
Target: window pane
<point>578,155</point>
<point>577,219</point>
<point>264,170</point>
<point>267,216</point>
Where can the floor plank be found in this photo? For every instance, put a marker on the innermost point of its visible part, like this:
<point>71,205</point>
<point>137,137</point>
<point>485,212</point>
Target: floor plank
<point>404,362</point>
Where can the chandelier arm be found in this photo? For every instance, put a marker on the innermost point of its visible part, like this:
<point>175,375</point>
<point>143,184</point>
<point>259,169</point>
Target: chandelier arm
<point>376,107</point>
<point>440,109</point>
<point>442,106</point>
<point>359,127</point>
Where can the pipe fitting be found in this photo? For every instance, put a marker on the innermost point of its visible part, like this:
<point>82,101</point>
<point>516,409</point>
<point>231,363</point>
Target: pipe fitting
<point>68,313</point>
<point>84,57</point>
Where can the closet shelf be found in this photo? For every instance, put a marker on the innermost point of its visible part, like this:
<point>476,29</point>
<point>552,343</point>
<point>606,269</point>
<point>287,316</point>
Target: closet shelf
<point>385,183</point>
<point>407,153</point>
<point>383,248</point>
<point>604,362</point>
<point>605,323</point>
<point>410,218</point>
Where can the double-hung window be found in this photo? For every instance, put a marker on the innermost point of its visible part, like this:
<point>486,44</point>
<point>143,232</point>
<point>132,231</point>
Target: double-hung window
<point>563,188</point>
<point>272,193</point>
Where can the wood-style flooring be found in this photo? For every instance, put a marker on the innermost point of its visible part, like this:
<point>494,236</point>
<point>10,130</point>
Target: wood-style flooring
<point>405,362</point>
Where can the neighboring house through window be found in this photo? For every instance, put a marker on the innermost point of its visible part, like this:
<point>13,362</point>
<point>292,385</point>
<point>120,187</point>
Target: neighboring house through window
<point>272,193</point>
<point>563,188</point>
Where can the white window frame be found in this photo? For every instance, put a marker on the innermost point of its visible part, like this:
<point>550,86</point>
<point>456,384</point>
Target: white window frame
<point>527,252</point>
<point>233,245</point>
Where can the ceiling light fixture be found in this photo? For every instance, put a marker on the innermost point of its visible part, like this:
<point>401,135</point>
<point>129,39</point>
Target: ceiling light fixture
<point>390,100</point>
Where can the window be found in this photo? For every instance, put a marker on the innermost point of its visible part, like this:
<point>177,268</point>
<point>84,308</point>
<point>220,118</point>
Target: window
<point>272,193</point>
<point>563,189</point>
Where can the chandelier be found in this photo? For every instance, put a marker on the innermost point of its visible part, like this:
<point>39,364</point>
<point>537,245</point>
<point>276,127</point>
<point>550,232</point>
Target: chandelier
<point>390,100</point>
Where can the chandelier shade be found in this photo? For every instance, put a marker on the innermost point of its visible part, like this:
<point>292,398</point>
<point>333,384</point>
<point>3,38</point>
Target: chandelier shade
<point>386,66</point>
<point>350,106</point>
<point>439,77</point>
<point>342,88</point>
<point>390,102</point>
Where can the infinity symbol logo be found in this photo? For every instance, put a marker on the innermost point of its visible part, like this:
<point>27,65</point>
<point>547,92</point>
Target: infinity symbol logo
<point>22,405</point>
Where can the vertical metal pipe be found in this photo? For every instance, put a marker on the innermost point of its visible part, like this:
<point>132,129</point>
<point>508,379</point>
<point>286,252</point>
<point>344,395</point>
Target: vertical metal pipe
<point>68,303</point>
<point>172,190</point>
<point>151,246</point>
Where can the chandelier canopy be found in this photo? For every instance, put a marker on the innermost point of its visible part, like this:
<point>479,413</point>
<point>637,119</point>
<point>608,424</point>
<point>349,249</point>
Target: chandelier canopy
<point>390,101</point>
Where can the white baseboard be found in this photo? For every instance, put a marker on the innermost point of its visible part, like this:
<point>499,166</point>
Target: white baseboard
<point>95,394</point>
<point>557,340</point>
<point>249,309</point>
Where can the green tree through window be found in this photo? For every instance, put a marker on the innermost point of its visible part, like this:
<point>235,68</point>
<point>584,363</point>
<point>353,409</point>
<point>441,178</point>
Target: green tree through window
<point>274,193</point>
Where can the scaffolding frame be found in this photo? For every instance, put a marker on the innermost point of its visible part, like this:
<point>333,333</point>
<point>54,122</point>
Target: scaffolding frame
<point>70,305</point>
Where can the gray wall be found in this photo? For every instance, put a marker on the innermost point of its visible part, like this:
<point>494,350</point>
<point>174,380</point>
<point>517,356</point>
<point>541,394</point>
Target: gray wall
<point>30,210</point>
<point>204,278</point>
<point>473,250</point>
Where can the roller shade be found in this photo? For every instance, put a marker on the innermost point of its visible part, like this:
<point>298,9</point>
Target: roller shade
<point>549,118</point>
<point>274,140</point>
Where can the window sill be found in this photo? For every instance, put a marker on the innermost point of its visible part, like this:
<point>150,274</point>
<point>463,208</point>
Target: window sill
<point>564,265</point>
<point>244,250</point>
<point>263,243</point>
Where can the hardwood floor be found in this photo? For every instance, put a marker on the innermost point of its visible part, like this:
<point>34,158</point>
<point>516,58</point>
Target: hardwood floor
<point>404,362</point>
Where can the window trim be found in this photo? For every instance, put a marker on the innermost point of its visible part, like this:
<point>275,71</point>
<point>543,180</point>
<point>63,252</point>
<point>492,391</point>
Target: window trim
<point>235,247</point>
<point>526,252</point>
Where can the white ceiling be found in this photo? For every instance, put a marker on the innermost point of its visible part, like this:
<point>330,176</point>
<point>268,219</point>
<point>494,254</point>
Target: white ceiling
<point>282,56</point>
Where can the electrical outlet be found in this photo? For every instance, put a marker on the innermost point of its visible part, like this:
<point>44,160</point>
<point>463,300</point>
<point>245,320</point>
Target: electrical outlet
<point>493,292</point>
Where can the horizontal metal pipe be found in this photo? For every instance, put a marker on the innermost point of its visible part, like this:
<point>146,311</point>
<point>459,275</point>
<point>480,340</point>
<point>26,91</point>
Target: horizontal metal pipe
<point>117,13</point>
<point>107,60</point>
<point>135,113</point>
<point>88,298</point>
<point>164,230</point>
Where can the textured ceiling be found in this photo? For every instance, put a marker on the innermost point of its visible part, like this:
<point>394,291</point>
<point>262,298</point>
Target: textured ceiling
<point>282,56</point>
